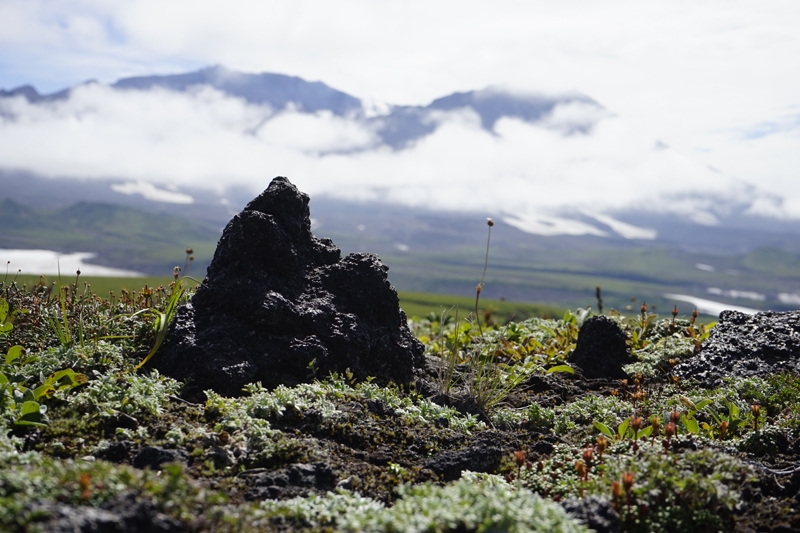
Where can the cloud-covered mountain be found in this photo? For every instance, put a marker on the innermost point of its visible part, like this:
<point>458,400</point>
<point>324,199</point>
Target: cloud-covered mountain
<point>580,197</point>
<point>548,164</point>
<point>395,126</point>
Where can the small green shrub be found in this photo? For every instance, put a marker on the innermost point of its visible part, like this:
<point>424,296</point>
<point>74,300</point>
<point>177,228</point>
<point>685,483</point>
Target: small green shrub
<point>131,394</point>
<point>670,492</point>
<point>465,505</point>
<point>30,479</point>
<point>583,412</point>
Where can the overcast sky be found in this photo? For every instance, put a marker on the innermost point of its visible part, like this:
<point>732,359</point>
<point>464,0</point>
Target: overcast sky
<point>717,81</point>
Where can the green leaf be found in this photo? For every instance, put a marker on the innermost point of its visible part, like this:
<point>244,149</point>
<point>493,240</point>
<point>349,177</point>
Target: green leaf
<point>3,309</point>
<point>714,414</point>
<point>5,327</point>
<point>27,395</point>
<point>46,390</point>
<point>622,430</point>
<point>163,320</point>
<point>31,415</point>
<point>14,353</point>
<point>67,378</point>
<point>604,429</point>
<point>735,424</point>
<point>703,403</point>
<point>733,410</point>
<point>62,376</point>
<point>691,425</point>
<point>646,432</point>
<point>561,368</point>
<point>29,407</point>
<point>3,378</point>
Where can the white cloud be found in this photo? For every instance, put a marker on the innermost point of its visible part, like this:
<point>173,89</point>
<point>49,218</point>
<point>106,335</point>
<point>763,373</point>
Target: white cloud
<point>694,74</point>
<point>316,133</point>
<point>574,116</point>
<point>206,139</point>
<point>789,298</point>
<point>151,192</point>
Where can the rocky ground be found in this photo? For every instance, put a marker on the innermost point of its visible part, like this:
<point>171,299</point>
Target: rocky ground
<point>290,393</point>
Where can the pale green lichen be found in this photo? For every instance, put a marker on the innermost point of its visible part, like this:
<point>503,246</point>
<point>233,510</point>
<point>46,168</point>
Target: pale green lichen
<point>466,505</point>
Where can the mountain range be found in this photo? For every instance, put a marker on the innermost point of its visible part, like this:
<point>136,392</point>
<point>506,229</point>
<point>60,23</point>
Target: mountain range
<point>698,233</point>
<point>396,126</point>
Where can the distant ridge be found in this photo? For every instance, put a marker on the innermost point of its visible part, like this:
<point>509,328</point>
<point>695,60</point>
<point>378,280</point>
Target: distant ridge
<point>398,127</point>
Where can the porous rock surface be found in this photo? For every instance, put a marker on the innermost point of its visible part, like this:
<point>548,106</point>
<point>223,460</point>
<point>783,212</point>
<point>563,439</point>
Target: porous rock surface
<point>126,513</point>
<point>746,345</point>
<point>601,350</point>
<point>280,306</point>
<point>595,512</point>
<point>483,456</point>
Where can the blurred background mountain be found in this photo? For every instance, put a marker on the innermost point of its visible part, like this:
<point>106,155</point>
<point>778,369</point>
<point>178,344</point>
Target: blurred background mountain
<point>627,214</point>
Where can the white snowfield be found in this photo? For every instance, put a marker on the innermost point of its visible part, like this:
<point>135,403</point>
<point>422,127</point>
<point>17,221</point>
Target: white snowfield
<point>48,262</point>
<point>710,307</point>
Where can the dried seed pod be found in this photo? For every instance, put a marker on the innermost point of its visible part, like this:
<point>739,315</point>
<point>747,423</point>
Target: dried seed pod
<point>519,458</point>
<point>627,480</point>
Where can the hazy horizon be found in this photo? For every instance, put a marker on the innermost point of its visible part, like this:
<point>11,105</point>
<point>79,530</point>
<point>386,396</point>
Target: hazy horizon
<point>698,110</point>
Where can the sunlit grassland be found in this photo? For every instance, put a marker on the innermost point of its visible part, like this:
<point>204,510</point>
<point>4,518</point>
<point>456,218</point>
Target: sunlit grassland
<point>415,304</point>
<point>419,304</point>
<point>101,286</point>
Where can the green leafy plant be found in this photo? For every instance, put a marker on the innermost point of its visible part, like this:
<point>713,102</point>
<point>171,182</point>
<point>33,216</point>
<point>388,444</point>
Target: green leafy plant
<point>641,328</point>
<point>163,319</point>
<point>21,402</point>
<point>5,320</point>
<point>625,430</point>
<point>731,420</point>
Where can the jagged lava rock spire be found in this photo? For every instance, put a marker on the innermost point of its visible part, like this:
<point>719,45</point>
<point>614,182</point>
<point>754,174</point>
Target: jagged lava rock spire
<point>280,306</point>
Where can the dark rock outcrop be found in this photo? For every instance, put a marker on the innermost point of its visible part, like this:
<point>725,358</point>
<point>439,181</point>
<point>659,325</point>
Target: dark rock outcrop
<point>483,456</point>
<point>153,457</point>
<point>126,513</point>
<point>595,512</point>
<point>746,345</point>
<point>279,305</point>
<point>601,350</point>
<point>295,480</point>
<point>116,452</point>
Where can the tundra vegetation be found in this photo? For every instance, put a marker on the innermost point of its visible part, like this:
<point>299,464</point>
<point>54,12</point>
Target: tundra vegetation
<point>496,434</point>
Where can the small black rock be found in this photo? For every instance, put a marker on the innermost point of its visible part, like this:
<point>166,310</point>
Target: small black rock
<point>601,350</point>
<point>483,456</point>
<point>116,452</point>
<point>597,513</point>
<point>154,456</point>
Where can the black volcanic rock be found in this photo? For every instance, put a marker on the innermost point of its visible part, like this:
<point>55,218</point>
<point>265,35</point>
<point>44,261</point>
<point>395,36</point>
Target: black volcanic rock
<point>746,345</point>
<point>482,456</point>
<point>279,305</point>
<point>601,350</point>
<point>597,513</point>
<point>125,513</point>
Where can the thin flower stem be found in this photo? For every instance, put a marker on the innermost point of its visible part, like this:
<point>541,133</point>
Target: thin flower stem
<point>479,288</point>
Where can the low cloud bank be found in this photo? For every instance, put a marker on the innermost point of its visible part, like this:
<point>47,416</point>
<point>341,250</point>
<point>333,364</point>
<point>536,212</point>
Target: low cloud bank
<point>577,158</point>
